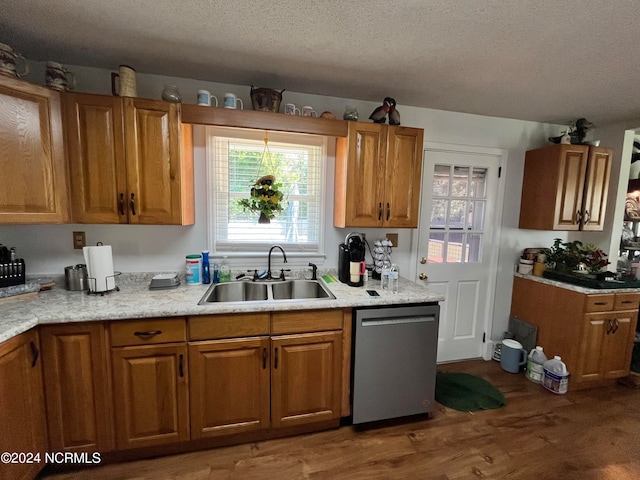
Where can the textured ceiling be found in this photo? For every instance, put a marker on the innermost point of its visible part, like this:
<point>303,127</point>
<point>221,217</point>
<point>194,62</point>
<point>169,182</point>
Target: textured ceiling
<point>542,60</point>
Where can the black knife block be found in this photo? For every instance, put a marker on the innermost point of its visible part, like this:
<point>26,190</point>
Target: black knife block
<point>12,273</point>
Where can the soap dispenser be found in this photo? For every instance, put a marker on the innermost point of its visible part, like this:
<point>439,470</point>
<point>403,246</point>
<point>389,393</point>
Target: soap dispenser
<point>225,271</point>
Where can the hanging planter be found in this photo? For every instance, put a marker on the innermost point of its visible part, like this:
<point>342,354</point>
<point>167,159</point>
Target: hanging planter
<point>265,197</point>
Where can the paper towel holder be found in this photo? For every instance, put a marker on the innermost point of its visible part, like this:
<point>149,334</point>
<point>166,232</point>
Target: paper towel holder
<point>94,282</point>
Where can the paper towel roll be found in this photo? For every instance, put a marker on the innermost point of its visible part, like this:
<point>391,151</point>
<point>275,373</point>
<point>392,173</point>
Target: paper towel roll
<point>99,262</point>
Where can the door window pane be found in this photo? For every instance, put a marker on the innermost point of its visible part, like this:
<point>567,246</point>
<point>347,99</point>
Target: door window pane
<point>436,247</point>
<point>456,248</point>
<point>441,181</point>
<point>458,214</point>
<point>439,213</point>
<point>478,184</point>
<point>460,187</point>
<point>476,216</point>
<point>474,247</point>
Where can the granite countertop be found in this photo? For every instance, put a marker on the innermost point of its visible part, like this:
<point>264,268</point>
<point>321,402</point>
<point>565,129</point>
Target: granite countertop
<point>577,288</point>
<point>135,300</point>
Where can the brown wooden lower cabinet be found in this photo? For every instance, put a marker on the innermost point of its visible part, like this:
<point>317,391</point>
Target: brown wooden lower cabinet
<point>593,333</point>
<point>23,428</point>
<point>605,350</point>
<point>229,386</point>
<point>151,397</point>
<point>247,384</point>
<point>161,382</point>
<point>77,387</point>
<point>306,378</point>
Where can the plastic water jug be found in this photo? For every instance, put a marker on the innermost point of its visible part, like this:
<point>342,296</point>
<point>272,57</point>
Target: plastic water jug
<point>535,364</point>
<point>556,377</point>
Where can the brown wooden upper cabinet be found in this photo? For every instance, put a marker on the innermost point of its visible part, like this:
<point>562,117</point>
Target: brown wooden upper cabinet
<point>130,160</point>
<point>565,187</point>
<point>34,177</point>
<point>378,173</point>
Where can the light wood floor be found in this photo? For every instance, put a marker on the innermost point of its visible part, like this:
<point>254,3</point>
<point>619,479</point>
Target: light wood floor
<point>588,434</point>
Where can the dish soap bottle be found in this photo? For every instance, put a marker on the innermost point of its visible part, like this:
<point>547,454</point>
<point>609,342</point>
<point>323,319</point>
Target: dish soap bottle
<point>206,274</point>
<point>225,271</point>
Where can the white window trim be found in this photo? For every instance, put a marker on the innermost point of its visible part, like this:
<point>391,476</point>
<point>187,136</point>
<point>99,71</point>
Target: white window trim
<point>243,256</point>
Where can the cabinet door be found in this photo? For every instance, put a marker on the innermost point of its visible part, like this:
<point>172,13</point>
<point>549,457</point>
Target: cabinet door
<point>305,378</point>
<point>596,188</point>
<point>618,345</point>
<point>77,387</point>
<point>403,174</point>
<point>22,415</point>
<point>592,344</point>
<point>150,395</point>
<point>95,143</point>
<point>553,172</point>
<point>572,167</point>
<point>229,386</point>
<point>360,176</point>
<point>154,177</point>
<point>33,185</point>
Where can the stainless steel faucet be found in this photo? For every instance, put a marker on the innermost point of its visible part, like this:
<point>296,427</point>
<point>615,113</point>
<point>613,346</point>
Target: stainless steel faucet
<point>269,277</point>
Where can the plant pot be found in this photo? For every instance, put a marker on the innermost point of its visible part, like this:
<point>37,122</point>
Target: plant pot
<point>266,99</point>
<point>263,218</point>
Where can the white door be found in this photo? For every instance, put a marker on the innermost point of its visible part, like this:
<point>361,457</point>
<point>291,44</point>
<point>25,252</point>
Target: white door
<point>458,243</point>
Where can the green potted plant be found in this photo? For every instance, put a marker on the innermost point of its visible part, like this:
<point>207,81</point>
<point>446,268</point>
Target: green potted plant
<point>571,256</point>
<point>594,258</point>
<point>265,199</point>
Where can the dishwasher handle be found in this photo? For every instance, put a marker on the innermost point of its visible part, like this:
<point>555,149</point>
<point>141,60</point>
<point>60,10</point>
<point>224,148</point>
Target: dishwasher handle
<point>371,322</point>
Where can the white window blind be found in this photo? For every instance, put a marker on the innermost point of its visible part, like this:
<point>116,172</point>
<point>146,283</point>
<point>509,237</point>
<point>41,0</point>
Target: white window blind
<point>236,158</point>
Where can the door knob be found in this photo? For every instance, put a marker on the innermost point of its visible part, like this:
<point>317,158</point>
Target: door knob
<point>423,260</point>
<point>423,276</point>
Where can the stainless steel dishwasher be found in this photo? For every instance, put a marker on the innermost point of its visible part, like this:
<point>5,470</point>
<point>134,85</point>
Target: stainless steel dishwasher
<point>394,368</point>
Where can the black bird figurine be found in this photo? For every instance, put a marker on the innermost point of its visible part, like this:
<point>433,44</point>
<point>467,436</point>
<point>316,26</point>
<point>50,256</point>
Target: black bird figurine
<point>577,134</point>
<point>379,115</point>
<point>394,114</point>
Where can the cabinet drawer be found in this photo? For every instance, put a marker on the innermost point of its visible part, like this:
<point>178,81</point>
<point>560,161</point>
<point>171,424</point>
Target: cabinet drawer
<point>148,331</point>
<point>599,303</point>
<point>208,327</point>
<point>627,301</point>
<point>306,321</point>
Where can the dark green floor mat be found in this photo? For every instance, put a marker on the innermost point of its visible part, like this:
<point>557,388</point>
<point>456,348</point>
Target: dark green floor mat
<point>467,393</point>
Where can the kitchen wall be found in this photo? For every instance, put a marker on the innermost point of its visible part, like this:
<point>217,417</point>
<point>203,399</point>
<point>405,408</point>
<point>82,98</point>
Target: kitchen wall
<point>48,248</point>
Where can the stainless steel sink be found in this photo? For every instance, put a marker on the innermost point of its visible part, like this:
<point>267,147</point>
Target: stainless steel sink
<point>235,292</point>
<point>268,291</point>
<point>299,289</point>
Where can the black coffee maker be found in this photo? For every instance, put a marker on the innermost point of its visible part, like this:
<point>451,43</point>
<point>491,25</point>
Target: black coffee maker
<point>351,266</point>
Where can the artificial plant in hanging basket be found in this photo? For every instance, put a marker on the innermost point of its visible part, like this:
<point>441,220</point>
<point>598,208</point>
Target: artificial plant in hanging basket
<point>265,199</point>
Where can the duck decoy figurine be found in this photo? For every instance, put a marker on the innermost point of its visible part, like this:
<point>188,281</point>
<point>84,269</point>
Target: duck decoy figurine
<point>379,115</point>
<point>576,134</point>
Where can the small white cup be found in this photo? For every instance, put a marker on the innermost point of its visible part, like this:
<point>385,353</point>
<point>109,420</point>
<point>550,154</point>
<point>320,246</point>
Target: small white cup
<point>308,111</point>
<point>291,109</point>
<point>231,101</point>
<point>205,97</point>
